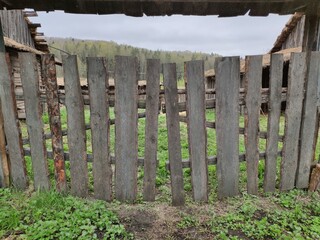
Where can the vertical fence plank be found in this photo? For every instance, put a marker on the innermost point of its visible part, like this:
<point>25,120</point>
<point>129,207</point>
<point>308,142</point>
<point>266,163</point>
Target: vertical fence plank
<point>253,84</point>
<point>309,123</point>
<point>30,83</point>
<point>227,125</point>
<point>173,126</point>
<point>197,134</point>
<point>11,126</point>
<point>126,129</point>
<point>99,112</point>
<point>297,72</point>
<point>151,131</point>
<point>76,127</point>
<point>276,76</point>
<point>4,158</point>
<point>50,81</point>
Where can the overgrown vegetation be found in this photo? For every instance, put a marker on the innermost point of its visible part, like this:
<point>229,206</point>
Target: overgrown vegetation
<point>292,215</point>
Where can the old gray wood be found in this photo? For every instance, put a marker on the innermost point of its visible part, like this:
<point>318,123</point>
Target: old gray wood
<point>126,128</point>
<point>227,125</point>
<point>11,126</point>
<point>274,112</point>
<point>30,83</point>
<point>4,158</point>
<point>309,123</point>
<point>151,129</point>
<point>76,127</point>
<point>197,134</point>
<point>173,126</point>
<point>99,121</point>
<point>253,84</point>
<point>297,72</point>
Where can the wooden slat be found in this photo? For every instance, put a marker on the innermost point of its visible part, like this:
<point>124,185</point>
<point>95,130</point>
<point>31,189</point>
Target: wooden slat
<point>126,129</point>
<point>11,126</point>
<point>30,83</point>
<point>4,159</point>
<point>151,129</point>
<point>253,84</point>
<point>227,125</point>
<point>309,122</point>
<point>297,72</point>
<point>197,134</point>
<point>50,81</point>
<point>99,121</point>
<point>76,127</point>
<point>173,126</point>
<point>273,122</point>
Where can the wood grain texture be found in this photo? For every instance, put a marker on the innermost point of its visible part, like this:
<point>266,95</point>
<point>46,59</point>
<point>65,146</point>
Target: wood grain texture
<point>173,126</point>
<point>309,123</point>
<point>99,121</point>
<point>253,84</point>
<point>11,126</point>
<point>227,125</point>
<point>49,79</point>
<point>197,134</point>
<point>76,127</point>
<point>126,129</point>
<point>276,75</point>
<point>151,129</point>
<point>30,83</point>
<point>297,74</point>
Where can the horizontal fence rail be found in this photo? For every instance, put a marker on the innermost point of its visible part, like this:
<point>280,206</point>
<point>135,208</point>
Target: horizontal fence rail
<point>236,103</point>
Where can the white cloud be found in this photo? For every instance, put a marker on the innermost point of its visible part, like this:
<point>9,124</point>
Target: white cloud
<point>226,36</point>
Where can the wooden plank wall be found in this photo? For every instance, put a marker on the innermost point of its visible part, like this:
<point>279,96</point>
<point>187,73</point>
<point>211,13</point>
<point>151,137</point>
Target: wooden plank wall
<point>297,157</point>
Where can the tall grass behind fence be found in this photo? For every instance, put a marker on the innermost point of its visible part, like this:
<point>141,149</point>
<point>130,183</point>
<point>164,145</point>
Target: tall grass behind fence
<point>115,175</point>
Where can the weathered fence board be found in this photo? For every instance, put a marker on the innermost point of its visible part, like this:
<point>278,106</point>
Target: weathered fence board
<point>297,72</point>
<point>99,112</point>
<point>253,84</point>
<point>126,129</point>
<point>11,126</point>
<point>151,129</point>
<point>273,122</point>
<point>227,125</point>
<point>4,159</point>
<point>309,123</point>
<point>76,127</point>
<point>30,84</point>
<point>173,126</point>
<point>197,134</point>
<point>49,79</point>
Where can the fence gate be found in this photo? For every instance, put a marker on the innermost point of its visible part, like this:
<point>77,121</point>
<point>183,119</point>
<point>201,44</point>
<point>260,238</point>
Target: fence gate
<point>115,176</point>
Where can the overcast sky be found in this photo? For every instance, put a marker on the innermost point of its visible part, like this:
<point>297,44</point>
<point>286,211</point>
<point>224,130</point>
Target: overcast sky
<point>225,36</point>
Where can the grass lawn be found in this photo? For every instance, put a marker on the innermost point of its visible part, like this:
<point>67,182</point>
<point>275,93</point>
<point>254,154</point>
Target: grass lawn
<point>36,215</point>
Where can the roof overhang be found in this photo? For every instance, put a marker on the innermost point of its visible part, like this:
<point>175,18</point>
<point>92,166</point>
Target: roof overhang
<point>222,8</point>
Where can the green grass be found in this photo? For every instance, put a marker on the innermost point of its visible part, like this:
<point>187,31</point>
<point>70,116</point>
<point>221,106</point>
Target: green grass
<point>293,215</point>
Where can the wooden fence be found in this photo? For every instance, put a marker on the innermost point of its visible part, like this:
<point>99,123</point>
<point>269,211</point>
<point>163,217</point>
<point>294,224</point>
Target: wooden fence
<point>297,155</point>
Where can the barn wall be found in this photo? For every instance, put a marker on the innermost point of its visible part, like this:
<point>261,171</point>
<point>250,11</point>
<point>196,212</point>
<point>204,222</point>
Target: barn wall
<point>295,38</point>
<point>15,27</point>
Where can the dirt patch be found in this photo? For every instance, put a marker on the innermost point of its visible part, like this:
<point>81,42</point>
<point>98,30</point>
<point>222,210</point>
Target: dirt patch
<point>259,214</point>
<point>237,233</point>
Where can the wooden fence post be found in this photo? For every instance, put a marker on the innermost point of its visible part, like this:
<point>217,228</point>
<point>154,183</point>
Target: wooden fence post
<point>273,122</point>
<point>289,164</point>
<point>30,83</point>
<point>173,126</point>
<point>76,127</point>
<point>126,129</point>
<point>99,121</point>
<point>11,125</point>
<point>197,133</point>
<point>253,85</point>
<point>50,82</point>
<point>151,129</point>
<point>227,125</point>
